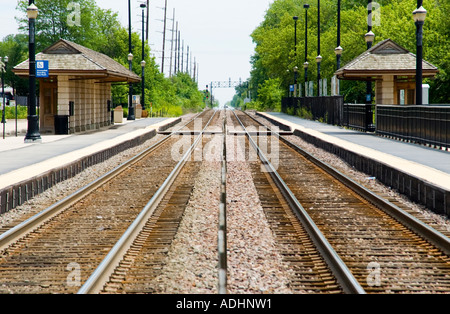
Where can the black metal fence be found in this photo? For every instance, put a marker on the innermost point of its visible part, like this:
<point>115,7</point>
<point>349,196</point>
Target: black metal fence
<point>420,124</point>
<point>328,109</point>
<point>355,117</point>
<point>427,124</point>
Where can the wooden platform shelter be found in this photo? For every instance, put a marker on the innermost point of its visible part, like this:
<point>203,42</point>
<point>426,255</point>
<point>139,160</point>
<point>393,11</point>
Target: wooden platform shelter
<point>78,88</point>
<point>392,67</point>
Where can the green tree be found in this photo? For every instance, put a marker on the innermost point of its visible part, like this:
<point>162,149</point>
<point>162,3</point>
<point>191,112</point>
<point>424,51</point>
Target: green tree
<point>100,30</point>
<point>16,49</point>
<point>270,94</point>
<point>274,55</point>
<point>52,21</point>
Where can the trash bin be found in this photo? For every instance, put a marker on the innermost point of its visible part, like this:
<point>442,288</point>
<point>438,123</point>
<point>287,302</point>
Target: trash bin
<point>61,125</point>
<point>118,114</point>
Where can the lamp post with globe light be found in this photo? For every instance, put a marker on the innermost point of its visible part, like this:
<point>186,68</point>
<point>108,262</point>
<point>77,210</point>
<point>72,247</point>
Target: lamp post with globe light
<point>419,16</point>
<point>33,135</point>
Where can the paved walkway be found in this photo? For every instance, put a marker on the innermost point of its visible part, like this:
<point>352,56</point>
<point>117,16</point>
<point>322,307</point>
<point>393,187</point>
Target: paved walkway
<point>19,159</point>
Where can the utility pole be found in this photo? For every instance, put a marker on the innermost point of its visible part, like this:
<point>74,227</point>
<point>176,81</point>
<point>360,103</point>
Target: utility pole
<point>187,60</point>
<point>171,44</point>
<point>198,69</point>
<point>179,48</point>
<point>195,69</point>
<point>182,57</point>
<point>164,37</point>
<point>175,68</point>
<point>190,66</point>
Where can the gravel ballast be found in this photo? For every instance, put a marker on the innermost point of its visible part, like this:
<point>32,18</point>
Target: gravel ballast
<point>255,265</point>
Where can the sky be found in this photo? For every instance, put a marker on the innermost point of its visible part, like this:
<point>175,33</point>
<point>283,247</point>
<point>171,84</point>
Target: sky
<point>216,31</point>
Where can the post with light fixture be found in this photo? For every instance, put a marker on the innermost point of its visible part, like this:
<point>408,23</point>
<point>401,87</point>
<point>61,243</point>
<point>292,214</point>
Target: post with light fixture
<point>319,57</point>
<point>143,63</point>
<point>3,93</point>
<point>295,80</point>
<point>33,135</point>
<point>131,115</point>
<point>419,16</point>
<point>295,56</point>
<point>318,61</point>
<point>369,37</point>
<point>306,64</point>
<point>338,51</point>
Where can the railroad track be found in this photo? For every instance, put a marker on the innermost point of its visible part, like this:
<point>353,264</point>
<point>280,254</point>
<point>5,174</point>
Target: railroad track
<point>385,249</point>
<point>58,249</point>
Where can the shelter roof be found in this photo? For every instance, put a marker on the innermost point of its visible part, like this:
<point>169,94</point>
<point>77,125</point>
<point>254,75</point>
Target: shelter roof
<point>68,58</point>
<point>384,58</point>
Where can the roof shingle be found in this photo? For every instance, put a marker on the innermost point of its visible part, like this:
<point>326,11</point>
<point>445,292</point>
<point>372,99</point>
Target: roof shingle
<point>386,56</point>
<point>66,57</point>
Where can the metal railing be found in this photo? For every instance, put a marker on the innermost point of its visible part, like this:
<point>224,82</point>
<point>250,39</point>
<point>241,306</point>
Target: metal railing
<point>428,125</point>
<point>355,117</point>
<point>328,109</point>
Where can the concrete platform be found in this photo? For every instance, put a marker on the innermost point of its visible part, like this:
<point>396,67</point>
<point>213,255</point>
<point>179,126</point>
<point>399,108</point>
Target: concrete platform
<point>29,169</point>
<point>422,173</point>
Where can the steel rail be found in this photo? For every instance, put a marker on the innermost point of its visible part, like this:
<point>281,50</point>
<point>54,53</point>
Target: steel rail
<point>101,275</point>
<point>340,270</point>
<point>435,237</point>
<point>32,223</point>
<point>222,233</point>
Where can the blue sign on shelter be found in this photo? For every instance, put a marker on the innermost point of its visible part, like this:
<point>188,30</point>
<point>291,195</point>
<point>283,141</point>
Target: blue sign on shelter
<point>41,68</point>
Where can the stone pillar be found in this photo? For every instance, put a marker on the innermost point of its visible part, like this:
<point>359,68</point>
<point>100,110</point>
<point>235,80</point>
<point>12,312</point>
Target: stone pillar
<point>387,91</point>
<point>63,95</point>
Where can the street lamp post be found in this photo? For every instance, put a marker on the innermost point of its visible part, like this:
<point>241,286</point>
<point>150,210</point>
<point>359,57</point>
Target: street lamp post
<point>131,115</point>
<point>319,57</point>
<point>33,135</point>
<point>339,49</point>
<point>419,16</point>
<point>318,61</point>
<point>143,6</point>
<point>295,80</point>
<point>369,37</point>
<point>306,64</point>
<point>295,56</point>
<point>143,63</point>
<point>3,93</point>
